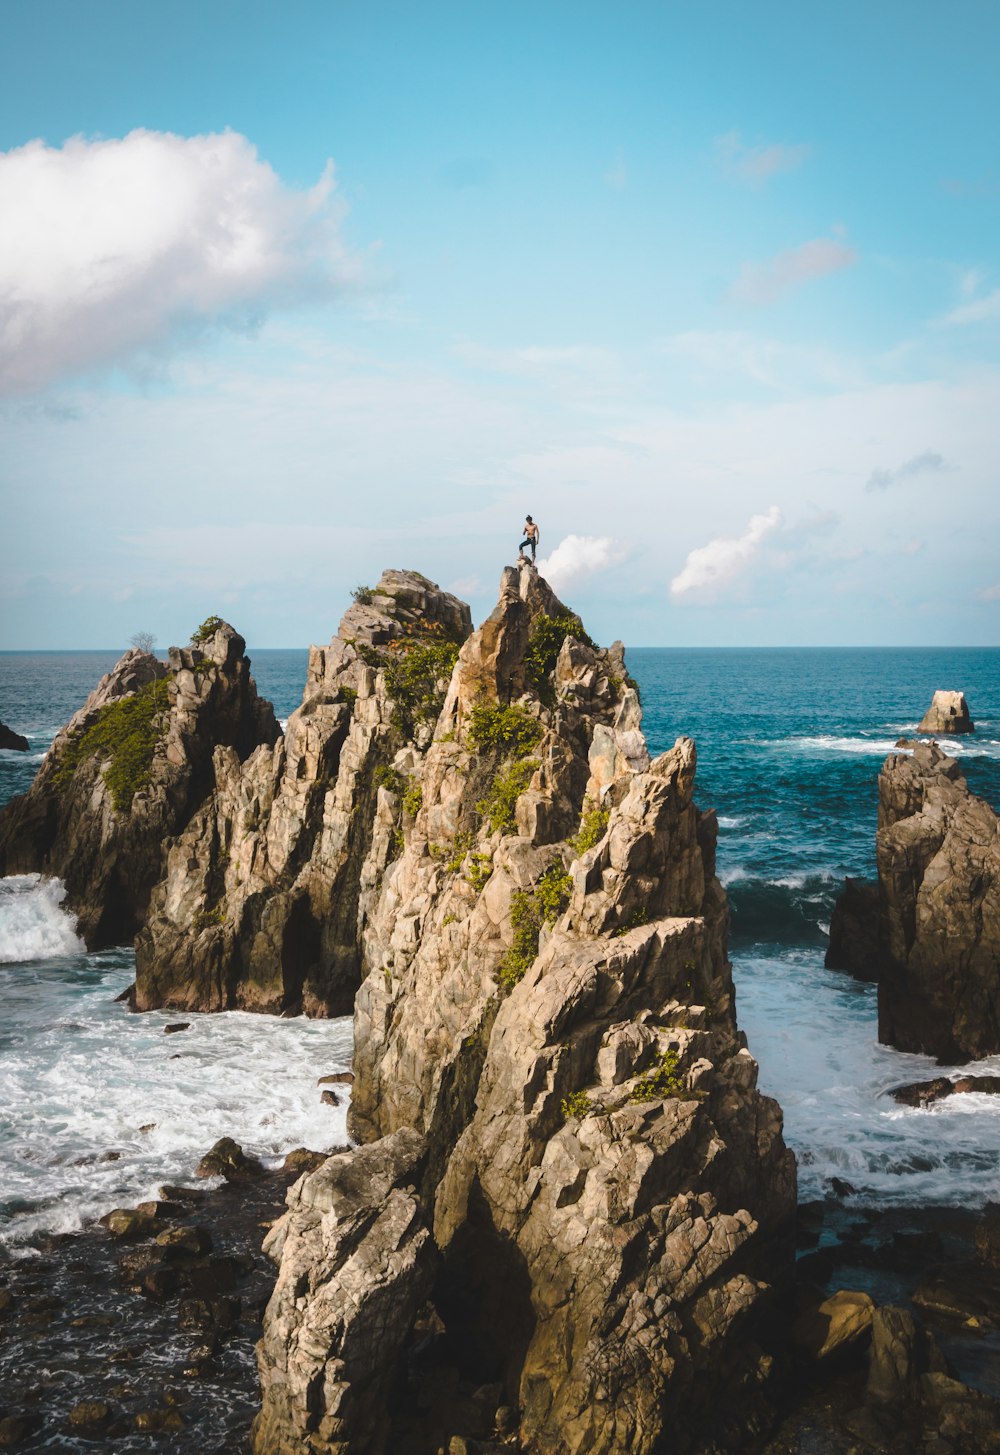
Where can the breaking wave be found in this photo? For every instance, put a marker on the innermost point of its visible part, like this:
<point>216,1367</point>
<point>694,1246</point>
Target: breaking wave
<point>33,923</point>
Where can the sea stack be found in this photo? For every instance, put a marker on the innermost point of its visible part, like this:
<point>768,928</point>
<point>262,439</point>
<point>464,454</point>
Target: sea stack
<point>570,1216</point>
<point>128,770</point>
<point>11,740</point>
<point>948,713</point>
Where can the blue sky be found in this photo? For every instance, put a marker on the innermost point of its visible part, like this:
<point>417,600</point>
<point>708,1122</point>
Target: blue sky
<point>289,294</point>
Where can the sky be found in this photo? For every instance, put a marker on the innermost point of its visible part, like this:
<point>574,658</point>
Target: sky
<point>290,294</point>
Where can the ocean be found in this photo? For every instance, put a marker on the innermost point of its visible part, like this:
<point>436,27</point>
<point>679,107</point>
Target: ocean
<point>789,747</point>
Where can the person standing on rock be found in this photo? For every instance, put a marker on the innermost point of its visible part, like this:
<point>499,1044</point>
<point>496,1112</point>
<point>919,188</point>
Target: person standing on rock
<point>530,539</point>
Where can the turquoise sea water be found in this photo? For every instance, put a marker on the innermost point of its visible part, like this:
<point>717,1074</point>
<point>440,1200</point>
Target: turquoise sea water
<point>789,743</point>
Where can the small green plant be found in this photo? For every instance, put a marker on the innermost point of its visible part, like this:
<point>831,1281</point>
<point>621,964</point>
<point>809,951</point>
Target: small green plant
<point>499,804</point>
<point>663,1081</point>
<point>396,843</point>
<point>638,917</point>
<point>389,779</point>
<point>525,917</point>
<point>509,731</point>
<point>593,827</point>
<point>206,917</point>
<point>363,595</point>
<point>387,973</point>
<point>552,892</point>
<point>544,646</point>
<point>206,631</point>
<point>204,665</point>
<point>414,672</point>
<point>479,871</point>
<point>460,846</point>
<point>576,1106</point>
<point>348,695</point>
<point>125,732</point>
<point>413,800</point>
<point>449,919</point>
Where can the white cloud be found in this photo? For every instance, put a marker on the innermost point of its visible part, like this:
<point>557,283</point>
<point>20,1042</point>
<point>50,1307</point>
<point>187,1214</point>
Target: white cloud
<point>980,310</point>
<point>929,463</point>
<point>764,282</point>
<point>724,558</point>
<point>991,593</point>
<point>578,556</point>
<point>755,164</point>
<point>113,247</point>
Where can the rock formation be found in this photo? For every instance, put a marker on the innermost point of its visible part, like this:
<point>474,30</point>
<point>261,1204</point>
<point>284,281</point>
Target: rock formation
<point>127,771</point>
<point>855,936</point>
<point>948,713</point>
<point>11,740</point>
<point>266,889</point>
<point>935,936</point>
<point>572,1206</point>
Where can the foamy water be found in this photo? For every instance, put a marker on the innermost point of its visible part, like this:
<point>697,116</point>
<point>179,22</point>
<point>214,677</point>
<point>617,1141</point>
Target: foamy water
<point>98,1106</point>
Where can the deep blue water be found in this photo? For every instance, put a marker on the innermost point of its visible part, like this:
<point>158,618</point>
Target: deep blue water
<point>790,743</point>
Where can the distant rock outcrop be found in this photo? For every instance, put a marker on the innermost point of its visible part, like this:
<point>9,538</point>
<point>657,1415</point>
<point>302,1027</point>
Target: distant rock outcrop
<point>855,931</point>
<point>572,1210</point>
<point>11,740</point>
<point>938,938</point>
<point>948,713</point>
<point>127,771</point>
<point>265,891</point>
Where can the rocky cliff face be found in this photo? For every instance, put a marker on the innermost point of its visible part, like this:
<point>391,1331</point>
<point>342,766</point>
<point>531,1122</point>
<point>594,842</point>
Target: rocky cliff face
<point>571,1209</point>
<point>128,770</point>
<point>265,892</point>
<point>938,850</point>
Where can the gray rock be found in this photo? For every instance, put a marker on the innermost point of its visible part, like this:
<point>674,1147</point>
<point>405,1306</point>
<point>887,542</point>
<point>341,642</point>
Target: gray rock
<point>11,740</point>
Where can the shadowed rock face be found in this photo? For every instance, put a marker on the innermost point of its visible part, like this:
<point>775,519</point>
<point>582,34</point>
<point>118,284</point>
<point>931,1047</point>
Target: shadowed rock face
<point>264,892</point>
<point>938,851</point>
<point>98,816</point>
<point>547,1013</point>
<point>948,713</point>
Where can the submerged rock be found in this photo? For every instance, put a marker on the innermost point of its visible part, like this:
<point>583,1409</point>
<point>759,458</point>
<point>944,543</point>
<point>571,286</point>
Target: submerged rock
<point>127,771</point>
<point>265,891</point>
<point>564,1147</point>
<point>948,713</point>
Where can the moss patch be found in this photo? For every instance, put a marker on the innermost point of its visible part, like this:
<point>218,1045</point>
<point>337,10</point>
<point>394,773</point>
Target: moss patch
<point>528,912</point>
<point>593,827</point>
<point>125,733</point>
<point>498,806</point>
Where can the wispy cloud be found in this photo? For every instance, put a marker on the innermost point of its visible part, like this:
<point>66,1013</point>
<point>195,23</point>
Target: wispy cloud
<point>713,566</point>
<point>113,247</point>
<point>929,463</point>
<point>764,282</point>
<point>991,593</point>
<point>978,310</point>
<point>576,557</point>
<point>754,164</point>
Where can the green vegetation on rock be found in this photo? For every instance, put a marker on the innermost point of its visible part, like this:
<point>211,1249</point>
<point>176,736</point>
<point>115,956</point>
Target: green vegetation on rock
<point>363,595</point>
<point>389,779</point>
<point>505,730</point>
<point>413,799</point>
<point>593,827</point>
<point>206,631</point>
<point>414,672</point>
<point>664,1080</point>
<point>544,645</point>
<point>528,912</point>
<point>577,1105</point>
<point>498,805</point>
<point>125,733</point>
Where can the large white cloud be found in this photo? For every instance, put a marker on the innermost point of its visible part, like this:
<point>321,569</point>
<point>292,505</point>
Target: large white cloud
<point>707,568</point>
<point>576,557</point>
<point>112,247</point>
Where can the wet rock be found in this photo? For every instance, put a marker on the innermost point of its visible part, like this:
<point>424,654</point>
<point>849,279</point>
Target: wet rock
<point>938,854</point>
<point>900,1353</point>
<point>170,1192</point>
<point>964,1290</point>
<point>161,1281</point>
<point>966,1422</point>
<point>185,1242</point>
<point>841,1188</point>
<point>303,1160</point>
<point>840,1325</point>
<point>855,932</point>
<point>162,1210</point>
<point>89,1414</point>
<point>6,1300</point>
<point>923,1093</point>
<point>136,1261</point>
<point>339,1078</point>
<point>209,1278</point>
<point>176,1026</point>
<point>127,1224</point>
<point>330,1098</point>
<point>947,714</point>
<point>227,1159</point>
<point>16,1428</point>
<point>988,1238</point>
<point>12,741</point>
<point>208,1314</point>
<point>158,1422</point>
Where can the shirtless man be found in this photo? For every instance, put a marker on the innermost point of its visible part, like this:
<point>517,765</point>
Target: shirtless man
<point>530,539</point>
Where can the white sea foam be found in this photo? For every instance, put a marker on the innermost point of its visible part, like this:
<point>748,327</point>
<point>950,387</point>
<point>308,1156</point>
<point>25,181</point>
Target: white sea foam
<point>959,747</point>
<point>83,1078</point>
<point>33,924</point>
<point>814,1033</point>
<point>727,822</point>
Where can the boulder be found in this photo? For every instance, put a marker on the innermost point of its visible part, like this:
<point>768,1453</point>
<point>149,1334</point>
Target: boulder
<point>901,1352</point>
<point>855,931</point>
<point>11,740</point>
<point>128,771</point>
<point>837,1326</point>
<point>227,1159</point>
<point>948,713</point>
<point>938,854</point>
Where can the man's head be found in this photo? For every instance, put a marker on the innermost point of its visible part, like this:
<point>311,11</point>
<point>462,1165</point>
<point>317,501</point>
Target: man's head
<point>528,518</point>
